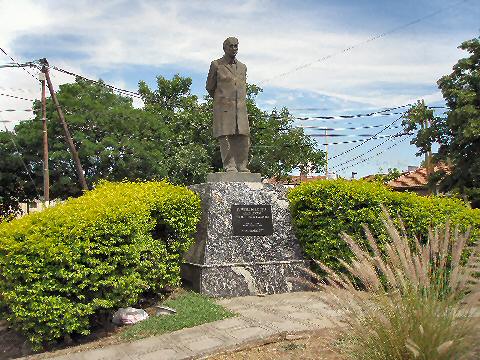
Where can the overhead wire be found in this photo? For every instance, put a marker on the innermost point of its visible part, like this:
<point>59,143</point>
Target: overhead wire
<point>388,138</point>
<point>14,110</point>
<point>23,161</point>
<point>375,155</point>
<point>342,129</point>
<point>373,38</point>
<point>18,64</point>
<point>16,97</point>
<point>357,146</point>
<point>117,89</point>
<point>27,91</point>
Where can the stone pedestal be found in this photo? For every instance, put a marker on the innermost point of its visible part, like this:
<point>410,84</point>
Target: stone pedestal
<point>246,252</point>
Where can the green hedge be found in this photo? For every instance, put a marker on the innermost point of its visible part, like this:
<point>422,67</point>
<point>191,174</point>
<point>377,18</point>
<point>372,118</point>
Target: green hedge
<point>322,210</point>
<point>62,267</point>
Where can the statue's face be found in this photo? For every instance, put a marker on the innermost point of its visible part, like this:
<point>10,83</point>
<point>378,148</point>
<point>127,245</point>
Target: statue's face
<point>231,48</point>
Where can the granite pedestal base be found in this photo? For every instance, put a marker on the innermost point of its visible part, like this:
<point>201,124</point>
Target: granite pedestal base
<point>224,264</point>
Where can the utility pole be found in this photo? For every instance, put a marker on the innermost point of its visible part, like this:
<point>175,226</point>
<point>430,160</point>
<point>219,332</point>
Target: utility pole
<point>68,137</point>
<point>326,154</point>
<point>46,176</point>
<point>428,154</point>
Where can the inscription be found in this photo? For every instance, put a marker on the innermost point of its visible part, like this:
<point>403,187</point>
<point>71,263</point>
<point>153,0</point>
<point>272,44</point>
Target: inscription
<point>252,220</point>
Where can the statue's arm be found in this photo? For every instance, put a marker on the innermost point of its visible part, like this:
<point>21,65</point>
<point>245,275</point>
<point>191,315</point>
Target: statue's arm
<point>212,79</point>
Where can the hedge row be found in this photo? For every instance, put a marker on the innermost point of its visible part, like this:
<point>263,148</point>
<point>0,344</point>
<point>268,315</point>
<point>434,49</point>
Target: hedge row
<point>62,267</point>
<point>322,210</point>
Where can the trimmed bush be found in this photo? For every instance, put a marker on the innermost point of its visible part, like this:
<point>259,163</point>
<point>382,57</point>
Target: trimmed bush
<point>322,210</point>
<point>62,267</point>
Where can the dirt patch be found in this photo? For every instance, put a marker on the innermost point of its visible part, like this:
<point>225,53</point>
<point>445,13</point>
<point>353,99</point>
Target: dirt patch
<point>14,345</point>
<point>312,345</point>
<point>11,343</point>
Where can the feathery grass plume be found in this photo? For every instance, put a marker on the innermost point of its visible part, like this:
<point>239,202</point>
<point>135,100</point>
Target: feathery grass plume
<point>409,301</point>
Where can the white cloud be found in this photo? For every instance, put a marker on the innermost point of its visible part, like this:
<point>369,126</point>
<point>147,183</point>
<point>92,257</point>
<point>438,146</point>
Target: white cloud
<point>273,40</point>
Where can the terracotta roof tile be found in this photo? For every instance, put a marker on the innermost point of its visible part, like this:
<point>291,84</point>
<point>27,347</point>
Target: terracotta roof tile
<point>416,178</point>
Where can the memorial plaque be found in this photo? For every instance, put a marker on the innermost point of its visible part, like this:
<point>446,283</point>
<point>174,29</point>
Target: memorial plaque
<point>252,220</point>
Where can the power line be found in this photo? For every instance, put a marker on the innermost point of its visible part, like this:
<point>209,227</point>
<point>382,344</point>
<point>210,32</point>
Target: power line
<point>26,91</point>
<point>125,92</point>
<point>343,117</point>
<point>12,110</point>
<point>343,129</point>
<point>16,97</point>
<point>378,133</point>
<point>351,135</point>
<point>388,138</point>
<point>375,155</point>
<point>11,58</point>
<point>359,140</point>
<point>384,112</point>
<point>23,162</point>
<point>11,121</point>
<point>373,38</point>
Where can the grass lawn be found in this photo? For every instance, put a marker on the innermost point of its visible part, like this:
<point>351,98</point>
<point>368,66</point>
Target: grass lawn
<point>192,309</point>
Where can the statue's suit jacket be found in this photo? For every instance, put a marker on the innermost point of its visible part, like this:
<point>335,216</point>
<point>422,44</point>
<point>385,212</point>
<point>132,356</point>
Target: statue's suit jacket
<point>227,83</point>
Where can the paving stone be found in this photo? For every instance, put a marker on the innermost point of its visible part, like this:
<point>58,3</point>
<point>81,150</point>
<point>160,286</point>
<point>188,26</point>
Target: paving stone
<point>284,309</point>
<point>250,333</point>
<point>204,343</point>
<point>290,326</point>
<point>301,315</point>
<point>259,317</point>
<point>232,323</point>
<point>163,354</point>
<point>115,352</point>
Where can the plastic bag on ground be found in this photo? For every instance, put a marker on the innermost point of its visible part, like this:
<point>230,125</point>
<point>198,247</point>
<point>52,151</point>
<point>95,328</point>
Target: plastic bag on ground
<point>129,315</point>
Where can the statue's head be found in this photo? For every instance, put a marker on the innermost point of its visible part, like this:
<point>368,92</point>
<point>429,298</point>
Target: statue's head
<point>230,46</point>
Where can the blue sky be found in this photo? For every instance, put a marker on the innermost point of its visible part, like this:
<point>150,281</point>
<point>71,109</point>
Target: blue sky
<point>123,42</point>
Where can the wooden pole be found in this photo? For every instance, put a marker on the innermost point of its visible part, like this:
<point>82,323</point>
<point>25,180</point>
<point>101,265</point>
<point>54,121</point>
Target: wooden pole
<point>71,145</point>
<point>46,175</point>
<point>326,153</point>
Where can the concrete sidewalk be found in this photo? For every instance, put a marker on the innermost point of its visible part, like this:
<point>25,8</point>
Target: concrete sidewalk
<point>259,318</point>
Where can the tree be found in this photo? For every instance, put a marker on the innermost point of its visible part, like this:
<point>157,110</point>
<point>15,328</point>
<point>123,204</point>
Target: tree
<point>458,134</point>
<point>171,137</point>
<point>277,147</point>
<point>14,184</point>
<point>392,174</point>
<point>190,151</point>
<point>114,140</point>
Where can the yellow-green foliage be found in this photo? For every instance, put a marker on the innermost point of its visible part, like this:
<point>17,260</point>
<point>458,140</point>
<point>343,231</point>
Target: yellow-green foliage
<point>322,210</point>
<point>61,267</point>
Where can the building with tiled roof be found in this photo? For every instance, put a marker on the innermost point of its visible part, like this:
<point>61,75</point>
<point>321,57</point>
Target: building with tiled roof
<point>415,180</point>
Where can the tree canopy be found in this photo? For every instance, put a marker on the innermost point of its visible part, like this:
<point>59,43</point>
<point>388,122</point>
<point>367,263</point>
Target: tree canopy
<point>458,133</point>
<point>170,137</point>
<point>14,184</point>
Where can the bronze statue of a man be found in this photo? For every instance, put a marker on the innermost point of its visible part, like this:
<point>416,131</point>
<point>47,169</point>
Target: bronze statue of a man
<point>226,83</point>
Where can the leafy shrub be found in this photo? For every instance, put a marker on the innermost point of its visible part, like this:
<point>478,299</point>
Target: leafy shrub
<point>62,267</point>
<point>412,303</point>
<point>322,210</point>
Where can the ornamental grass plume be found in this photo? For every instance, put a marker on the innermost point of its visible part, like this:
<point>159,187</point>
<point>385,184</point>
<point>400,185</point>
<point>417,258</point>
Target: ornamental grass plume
<point>406,300</point>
